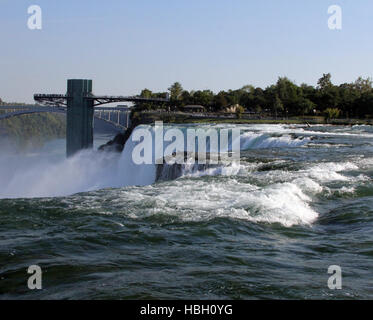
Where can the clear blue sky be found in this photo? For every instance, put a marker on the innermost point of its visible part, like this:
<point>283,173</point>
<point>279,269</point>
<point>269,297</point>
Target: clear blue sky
<point>125,46</point>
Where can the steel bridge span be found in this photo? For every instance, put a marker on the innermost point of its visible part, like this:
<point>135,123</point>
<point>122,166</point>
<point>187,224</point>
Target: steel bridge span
<point>118,117</point>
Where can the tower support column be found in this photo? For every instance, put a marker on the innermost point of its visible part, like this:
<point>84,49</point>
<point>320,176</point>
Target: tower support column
<point>79,124</point>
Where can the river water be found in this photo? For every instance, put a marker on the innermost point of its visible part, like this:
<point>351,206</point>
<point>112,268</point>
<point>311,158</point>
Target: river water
<point>299,201</point>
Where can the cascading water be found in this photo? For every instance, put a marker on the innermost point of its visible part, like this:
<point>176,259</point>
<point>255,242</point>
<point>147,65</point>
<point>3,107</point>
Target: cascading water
<point>44,174</point>
<point>122,230</point>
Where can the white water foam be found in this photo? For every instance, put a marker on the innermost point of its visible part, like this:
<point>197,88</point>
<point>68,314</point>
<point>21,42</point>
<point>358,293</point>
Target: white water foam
<point>331,171</point>
<point>198,200</point>
<point>232,169</point>
<point>283,196</point>
<point>252,140</point>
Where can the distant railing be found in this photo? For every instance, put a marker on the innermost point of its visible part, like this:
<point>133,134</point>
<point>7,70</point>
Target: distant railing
<point>61,99</point>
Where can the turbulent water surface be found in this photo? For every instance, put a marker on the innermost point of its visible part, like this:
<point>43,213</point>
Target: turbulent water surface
<point>299,201</point>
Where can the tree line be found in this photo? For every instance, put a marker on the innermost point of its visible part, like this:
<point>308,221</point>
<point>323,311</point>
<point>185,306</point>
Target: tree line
<point>33,130</point>
<point>285,98</point>
<point>18,104</point>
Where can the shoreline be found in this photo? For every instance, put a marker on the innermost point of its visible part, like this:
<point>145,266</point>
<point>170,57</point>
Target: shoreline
<point>344,122</point>
<point>144,118</point>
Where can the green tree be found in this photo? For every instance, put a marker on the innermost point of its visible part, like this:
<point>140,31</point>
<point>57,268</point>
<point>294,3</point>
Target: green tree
<point>308,92</point>
<point>220,101</point>
<point>325,82</point>
<point>146,93</point>
<point>186,98</point>
<point>175,91</point>
<point>259,100</point>
<point>305,106</point>
<point>364,105</point>
<point>234,96</point>
<point>363,85</point>
<point>277,105</point>
<point>288,93</point>
<point>348,99</point>
<point>204,98</point>
<point>331,113</point>
<point>248,88</point>
<point>327,94</point>
<point>239,111</point>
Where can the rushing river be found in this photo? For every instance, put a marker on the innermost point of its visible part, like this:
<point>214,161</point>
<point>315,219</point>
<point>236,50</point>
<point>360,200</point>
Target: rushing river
<point>299,201</point>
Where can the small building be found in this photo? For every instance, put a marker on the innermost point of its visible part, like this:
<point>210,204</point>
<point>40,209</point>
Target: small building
<point>193,108</point>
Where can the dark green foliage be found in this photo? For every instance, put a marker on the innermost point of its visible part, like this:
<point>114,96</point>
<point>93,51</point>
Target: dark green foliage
<point>283,99</point>
<point>176,90</point>
<point>331,113</point>
<point>220,101</point>
<point>33,129</point>
<point>239,111</point>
